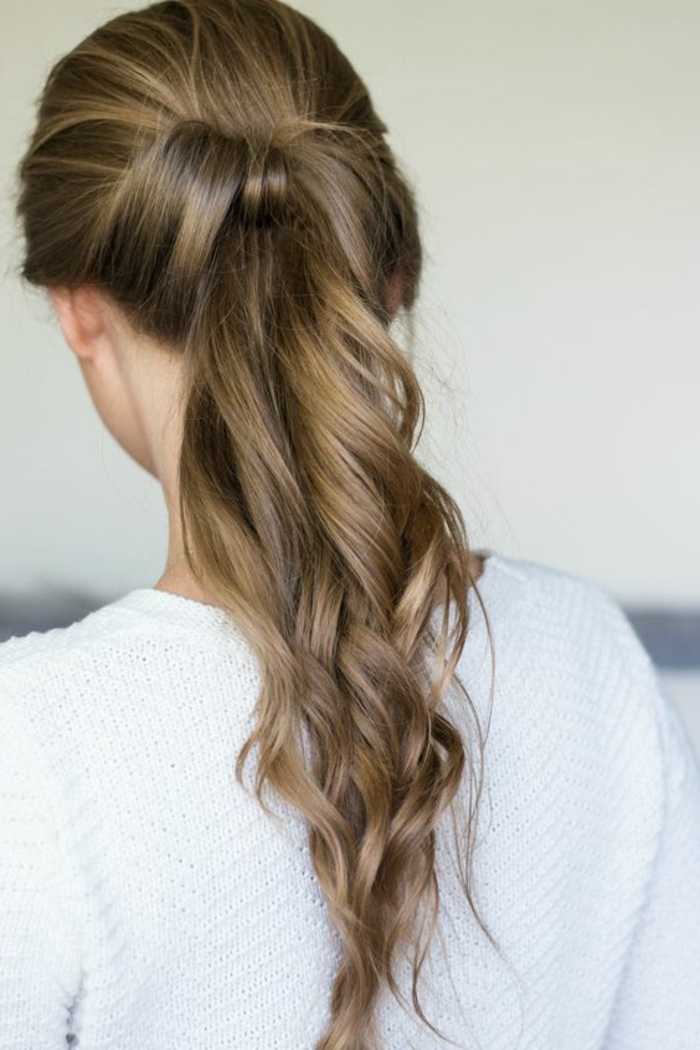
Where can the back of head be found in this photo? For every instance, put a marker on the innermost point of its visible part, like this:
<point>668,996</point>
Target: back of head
<point>201,132</point>
<point>217,169</point>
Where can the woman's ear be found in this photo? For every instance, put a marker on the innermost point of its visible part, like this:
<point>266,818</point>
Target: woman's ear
<point>80,315</point>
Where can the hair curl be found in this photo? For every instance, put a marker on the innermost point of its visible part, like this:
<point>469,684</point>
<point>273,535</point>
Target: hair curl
<point>217,168</point>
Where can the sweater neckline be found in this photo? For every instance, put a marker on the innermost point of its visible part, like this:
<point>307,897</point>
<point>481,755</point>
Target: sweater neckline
<point>190,612</point>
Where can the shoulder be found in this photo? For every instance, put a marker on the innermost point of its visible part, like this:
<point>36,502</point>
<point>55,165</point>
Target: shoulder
<point>29,663</point>
<point>27,651</point>
<point>581,695</point>
<point>575,688</point>
<point>564,613</point>
<point>20,651</point>
<point>571,679</point>
<point>41,669</point>
<point>592,787</point>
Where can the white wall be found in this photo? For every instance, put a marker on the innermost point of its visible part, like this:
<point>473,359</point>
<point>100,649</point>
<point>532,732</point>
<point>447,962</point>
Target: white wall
<point>556,154</point>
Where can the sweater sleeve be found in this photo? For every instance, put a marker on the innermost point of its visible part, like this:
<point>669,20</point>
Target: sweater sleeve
<point>658,999</point>
<point>40,900</point>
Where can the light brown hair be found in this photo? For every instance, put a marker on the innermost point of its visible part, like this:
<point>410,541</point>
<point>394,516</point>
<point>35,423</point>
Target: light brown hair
<point>217,168</point>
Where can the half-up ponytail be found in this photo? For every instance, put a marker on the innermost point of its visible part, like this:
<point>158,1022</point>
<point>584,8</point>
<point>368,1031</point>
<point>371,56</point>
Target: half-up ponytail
<point>217,168</point>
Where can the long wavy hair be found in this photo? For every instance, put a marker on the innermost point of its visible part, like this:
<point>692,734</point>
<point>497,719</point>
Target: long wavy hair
<point>217,169</point>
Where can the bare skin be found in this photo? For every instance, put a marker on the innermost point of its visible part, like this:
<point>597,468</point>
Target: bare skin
<point>135,387</point>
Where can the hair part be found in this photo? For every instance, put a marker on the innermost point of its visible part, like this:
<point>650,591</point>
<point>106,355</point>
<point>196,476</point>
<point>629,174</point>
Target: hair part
<point>217,169</point>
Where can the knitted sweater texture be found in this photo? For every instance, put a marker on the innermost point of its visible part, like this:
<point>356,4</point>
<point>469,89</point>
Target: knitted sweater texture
<point>148,903</point>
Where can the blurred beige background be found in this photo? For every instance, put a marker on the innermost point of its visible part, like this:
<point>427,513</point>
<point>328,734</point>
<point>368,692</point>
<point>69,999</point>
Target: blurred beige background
<point>556,155</point>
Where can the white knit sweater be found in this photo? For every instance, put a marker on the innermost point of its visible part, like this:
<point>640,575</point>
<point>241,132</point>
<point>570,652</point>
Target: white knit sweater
<point>147,902</point>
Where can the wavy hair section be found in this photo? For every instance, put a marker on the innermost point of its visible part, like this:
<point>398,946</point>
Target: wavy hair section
<point>217,169</point>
